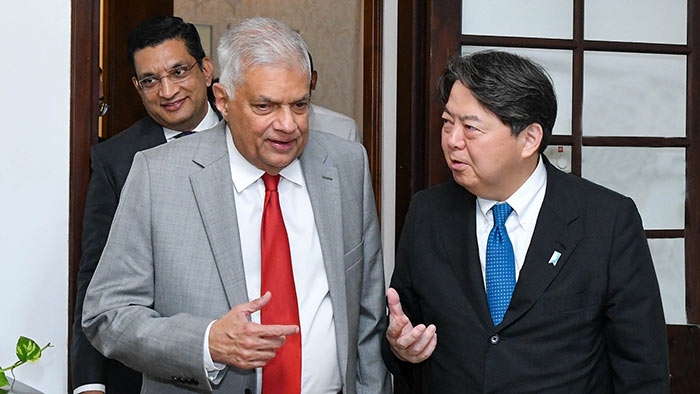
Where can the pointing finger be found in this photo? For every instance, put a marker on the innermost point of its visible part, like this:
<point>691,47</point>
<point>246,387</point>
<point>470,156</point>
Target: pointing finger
<point>278,330</point>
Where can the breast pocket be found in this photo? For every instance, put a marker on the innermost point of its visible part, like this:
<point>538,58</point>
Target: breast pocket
<point>569,303</point>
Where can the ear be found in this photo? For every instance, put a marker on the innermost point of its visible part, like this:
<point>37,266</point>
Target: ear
<point>207,69</point>
<point>136,84</point>
<point>531,139</point>
<point>222,99</point>
<point>314,78</point>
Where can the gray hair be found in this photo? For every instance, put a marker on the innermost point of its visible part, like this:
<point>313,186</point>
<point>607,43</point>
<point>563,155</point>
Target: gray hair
<point>258,42</point>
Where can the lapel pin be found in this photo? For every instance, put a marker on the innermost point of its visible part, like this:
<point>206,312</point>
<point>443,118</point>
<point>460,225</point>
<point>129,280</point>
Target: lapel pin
<point>555,258</point>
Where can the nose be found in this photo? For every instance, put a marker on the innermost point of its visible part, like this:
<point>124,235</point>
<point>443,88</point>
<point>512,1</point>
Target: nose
<point>167,88</point>
<point>285,121</point>
<point>455,139</point>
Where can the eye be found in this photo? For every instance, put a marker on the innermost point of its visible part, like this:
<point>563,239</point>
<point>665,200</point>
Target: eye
<point>300,106</point>
<point>446,120</point>
<point>149,82</point>
<point>179,71</point>
<point>262,108</point>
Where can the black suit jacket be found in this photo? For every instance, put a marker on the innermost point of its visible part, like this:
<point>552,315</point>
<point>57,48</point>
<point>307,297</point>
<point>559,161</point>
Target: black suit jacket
<point>110,164</point>
<point>592,323</point>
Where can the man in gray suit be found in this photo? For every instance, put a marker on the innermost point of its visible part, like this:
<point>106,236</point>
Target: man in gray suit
<point>183,284</point>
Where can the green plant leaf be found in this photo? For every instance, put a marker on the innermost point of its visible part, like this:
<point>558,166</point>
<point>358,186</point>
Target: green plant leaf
<point>28,350</point>
<point>3,379</point>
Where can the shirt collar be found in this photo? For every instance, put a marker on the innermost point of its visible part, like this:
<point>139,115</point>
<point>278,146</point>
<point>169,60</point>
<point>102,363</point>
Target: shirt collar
<point>245,174</point>
<point>210,120</point>
<point>521,200</point>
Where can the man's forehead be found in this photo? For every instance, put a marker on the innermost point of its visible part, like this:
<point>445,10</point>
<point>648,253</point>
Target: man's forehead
<point>276,83</point>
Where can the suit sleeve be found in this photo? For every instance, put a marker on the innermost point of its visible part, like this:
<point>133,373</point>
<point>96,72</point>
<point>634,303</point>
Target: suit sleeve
<point>119,318</point>
<point>634,322</point>
<point>87,364</point>
<point>406,374</point>
<point>372,374</point>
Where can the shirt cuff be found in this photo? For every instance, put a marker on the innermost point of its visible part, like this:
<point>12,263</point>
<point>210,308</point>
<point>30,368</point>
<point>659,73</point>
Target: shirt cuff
<point>212,369</point>
<point>89,387</point>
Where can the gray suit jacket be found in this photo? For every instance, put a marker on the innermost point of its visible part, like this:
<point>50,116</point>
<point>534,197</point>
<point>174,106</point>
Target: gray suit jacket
<point>173,263</point>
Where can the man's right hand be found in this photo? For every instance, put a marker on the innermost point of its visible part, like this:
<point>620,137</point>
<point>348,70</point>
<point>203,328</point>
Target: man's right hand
<point>234,340</point>
<point>408,343</point>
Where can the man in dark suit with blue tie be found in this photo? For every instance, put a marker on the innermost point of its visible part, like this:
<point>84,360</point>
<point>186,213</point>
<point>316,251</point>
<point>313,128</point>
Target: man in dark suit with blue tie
<point>534,281</point>
<point>171,74</point>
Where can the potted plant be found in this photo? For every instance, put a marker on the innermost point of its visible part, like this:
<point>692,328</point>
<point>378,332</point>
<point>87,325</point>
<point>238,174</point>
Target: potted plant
<point>27,350</point>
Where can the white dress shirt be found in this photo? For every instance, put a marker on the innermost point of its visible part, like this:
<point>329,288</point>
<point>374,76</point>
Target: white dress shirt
<point>320,370</point>
<point>210,120</point>
<point>526,203</point>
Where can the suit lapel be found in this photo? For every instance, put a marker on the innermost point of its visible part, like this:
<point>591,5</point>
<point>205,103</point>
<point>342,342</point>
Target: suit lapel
<point>324,192</point>
<point>558,229</point>
<point>152,134</point>
<point>459,241</point>
<point>213,191</point>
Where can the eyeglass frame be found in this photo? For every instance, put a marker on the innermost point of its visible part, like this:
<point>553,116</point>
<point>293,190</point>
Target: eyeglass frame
<point>168,74</point>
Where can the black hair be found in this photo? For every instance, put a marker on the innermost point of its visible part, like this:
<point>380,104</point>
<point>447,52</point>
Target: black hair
<point>517,90</point>
<point>155,31</point>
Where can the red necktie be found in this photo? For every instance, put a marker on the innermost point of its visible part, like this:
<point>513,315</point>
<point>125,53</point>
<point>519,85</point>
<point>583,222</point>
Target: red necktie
<point>282,374</point>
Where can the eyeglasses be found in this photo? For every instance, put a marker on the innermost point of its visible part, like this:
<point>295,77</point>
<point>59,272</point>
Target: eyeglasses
<point>176,74</point>
<point>103,107</point>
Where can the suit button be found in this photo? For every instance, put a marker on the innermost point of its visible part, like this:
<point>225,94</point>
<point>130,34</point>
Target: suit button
<point>495,339</point>
<point>247,391</point>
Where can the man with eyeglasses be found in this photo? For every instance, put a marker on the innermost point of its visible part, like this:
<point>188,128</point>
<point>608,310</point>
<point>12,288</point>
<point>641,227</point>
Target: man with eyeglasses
<point>171,74</point>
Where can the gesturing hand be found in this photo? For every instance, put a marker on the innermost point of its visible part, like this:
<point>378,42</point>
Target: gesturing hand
<point>408,343</point>
<point>233,340</point>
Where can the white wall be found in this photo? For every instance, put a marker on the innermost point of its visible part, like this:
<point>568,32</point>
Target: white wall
<point>34,159</point>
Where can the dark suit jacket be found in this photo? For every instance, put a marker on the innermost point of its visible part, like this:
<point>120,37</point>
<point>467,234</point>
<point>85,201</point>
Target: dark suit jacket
<point>110,164</point>
<point>592,323</point>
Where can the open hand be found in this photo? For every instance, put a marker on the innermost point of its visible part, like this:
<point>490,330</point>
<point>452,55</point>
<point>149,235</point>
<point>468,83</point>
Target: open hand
<point>408,343</point>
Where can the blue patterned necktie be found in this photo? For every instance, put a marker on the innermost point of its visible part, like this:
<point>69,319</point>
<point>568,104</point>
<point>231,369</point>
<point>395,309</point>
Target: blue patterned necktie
<point>500,265</point>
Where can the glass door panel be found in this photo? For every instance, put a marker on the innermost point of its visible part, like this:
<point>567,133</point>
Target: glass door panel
<point>516,18</point>
<point>634,94</point>
<point>653,177</point>
<point>669,263</point>
<point>652,21</point>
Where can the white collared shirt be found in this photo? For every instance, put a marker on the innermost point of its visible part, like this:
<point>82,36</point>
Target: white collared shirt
<point>320,371</point>
<point>210,120</point>
<point>526,203</point>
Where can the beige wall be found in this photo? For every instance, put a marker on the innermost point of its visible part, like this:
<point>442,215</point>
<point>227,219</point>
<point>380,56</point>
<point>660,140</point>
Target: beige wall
<point>332,30</point>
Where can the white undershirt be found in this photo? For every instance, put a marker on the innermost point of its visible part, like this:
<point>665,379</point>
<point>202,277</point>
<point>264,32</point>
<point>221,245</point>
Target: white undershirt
<point>320,371</point>
<point>526,203</point>
<point>210,120</point>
